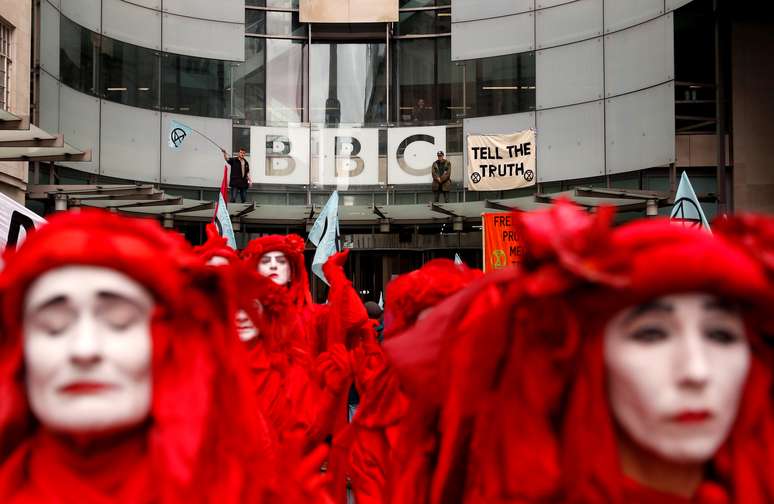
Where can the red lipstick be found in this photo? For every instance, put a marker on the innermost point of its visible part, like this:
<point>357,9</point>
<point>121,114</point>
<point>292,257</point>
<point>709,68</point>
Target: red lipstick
<point>84,387</point>
<point>689,417</point>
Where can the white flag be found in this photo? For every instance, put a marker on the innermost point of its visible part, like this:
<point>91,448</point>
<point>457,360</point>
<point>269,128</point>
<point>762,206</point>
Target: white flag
<point>457,259</point>
<point>687,210</point>
<point>325,235</point>
<point>223,222</point>
<point>178,132</point>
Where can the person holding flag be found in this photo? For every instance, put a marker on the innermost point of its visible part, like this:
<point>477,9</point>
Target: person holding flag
<point>239,176</point>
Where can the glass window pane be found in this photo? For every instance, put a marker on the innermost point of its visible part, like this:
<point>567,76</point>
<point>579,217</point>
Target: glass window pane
<point>77,54</point>
<point>407,4</point>
<point>130,74</point>
<point>284,81</point>
<point>196,86</point>
<point>240,138</point>
<point>273,23</point>
<point>449,84</point>
<point>250,83</point>
<point>348,84</point>
<point>282,4</point>
<point>501,85</point>
<point>415,75</point>
<point>424,22</point>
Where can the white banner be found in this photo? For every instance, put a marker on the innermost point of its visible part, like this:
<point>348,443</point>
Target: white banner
<point>15,220</point>
<point>347,157</point>
<point>279,155</point>
<point>411,153</point>
<point>501,162</point>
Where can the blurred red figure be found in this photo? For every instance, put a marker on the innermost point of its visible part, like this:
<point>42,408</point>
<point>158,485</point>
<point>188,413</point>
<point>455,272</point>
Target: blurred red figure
<point>537,384</point>
<point>377,424</point>
<point>141,336</point>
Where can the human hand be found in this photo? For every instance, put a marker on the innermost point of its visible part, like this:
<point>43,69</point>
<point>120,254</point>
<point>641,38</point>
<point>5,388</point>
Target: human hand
<point>335,368</point>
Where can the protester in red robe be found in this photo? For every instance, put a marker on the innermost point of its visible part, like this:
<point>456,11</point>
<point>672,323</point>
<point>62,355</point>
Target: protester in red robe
<point>540,383</point>
<point>215,250</point>
<point>330,333</point>
<point>376,426</point>
<point>121,380</point>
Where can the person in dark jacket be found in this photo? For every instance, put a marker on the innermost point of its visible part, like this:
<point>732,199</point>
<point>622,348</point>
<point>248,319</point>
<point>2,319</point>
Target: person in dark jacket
<point>239,179</point>
<point>441,177</point>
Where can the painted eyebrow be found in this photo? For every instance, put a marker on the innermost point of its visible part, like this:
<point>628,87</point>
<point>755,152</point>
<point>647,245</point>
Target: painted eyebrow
<point>112,296</point>
<point>722,305</point>
<point>49,303</point>
<point>650,307</point>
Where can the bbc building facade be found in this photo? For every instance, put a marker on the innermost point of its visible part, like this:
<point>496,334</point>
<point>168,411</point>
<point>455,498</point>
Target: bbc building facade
<point>621,94</point>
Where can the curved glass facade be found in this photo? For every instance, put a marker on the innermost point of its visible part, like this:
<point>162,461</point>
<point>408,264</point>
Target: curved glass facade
<point>139,77</point>
<point>354,81</point>
<point>366,76</point>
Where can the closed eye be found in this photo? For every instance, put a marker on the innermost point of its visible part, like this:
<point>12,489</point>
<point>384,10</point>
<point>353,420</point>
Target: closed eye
<point>723,336</point>
<point>649,335</point>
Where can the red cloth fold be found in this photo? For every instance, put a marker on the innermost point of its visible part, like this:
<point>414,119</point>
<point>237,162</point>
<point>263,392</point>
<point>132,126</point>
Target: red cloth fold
<point>206,438</point>
<point>506,380</point>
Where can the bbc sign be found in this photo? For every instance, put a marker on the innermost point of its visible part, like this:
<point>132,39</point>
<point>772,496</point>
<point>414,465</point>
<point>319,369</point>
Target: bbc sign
<point>343,157</point>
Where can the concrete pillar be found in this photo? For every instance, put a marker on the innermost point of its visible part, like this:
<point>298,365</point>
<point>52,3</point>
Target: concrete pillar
<point>60,202</point>
<point>651,208</point>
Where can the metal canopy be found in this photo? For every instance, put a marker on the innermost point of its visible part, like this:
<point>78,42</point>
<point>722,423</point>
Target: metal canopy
<point>235,210</point>
<point>148,201</point>
<point>186,205</point>
<point>38,192</point>
<point>622,204</point>
<point>22,141</point>
<point>9,121</point>
<point>32,137</point>
<point>278,214</point>
<point>65,153</point>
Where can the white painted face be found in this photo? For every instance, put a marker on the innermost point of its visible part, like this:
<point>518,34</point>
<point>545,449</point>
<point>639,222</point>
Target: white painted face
<point>676,370</point>
<point>217,261</point>
<point>275,266</point>
<point>87,350</point>
<point>245,327</point>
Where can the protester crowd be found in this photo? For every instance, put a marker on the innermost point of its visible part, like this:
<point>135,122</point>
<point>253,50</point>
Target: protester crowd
<point>628,364</point>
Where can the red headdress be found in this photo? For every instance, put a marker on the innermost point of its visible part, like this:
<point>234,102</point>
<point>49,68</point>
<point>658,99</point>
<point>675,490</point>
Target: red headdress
<point>293,247</point>
<point>215,246</point>
<point>412,293</point>
<point>513,368</point>
<point>203,432</point>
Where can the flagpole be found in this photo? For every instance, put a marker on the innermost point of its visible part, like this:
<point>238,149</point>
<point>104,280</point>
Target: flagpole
<point>208,139</point>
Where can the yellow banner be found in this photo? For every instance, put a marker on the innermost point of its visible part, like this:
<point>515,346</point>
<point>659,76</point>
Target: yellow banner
<point>502,246</point>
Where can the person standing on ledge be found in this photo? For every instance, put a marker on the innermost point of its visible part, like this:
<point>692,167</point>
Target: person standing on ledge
<point>239,175</point>
<point>441,178</point>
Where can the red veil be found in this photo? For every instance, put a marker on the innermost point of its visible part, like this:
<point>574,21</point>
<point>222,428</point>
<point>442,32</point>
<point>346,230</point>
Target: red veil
<point>202,442</point>
<point>507,378</point>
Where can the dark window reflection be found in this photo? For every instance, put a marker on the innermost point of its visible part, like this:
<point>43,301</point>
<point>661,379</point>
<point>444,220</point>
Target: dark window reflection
<point>428,84</point>
<point>501,85</point>
<point>196,86</point>
<point>348,84</point>
<point>240,138</point>
<point>250,82</point>
<point>273,23</point>
<point>130,74</point>
<point>282,4</point>
<point>408,4</point>
<point>424,22</point>
<point>78,48</point>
